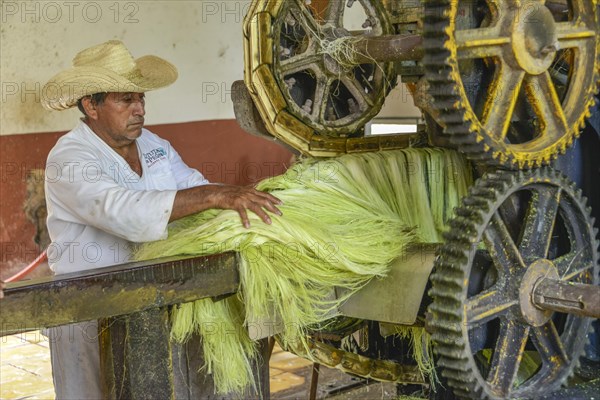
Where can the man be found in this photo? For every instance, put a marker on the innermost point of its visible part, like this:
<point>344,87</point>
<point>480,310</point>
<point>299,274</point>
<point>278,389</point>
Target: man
<point>111,183</point>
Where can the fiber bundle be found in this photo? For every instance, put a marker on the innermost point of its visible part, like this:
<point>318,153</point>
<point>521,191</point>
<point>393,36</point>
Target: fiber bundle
<point>344,221</point>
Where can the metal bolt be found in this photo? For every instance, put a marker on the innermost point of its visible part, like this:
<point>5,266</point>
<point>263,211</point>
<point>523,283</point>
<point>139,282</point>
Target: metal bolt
<point>290,82</point>
<point>307,106</point>
<point>548,49</point>
<point>331,114</point>
<point>352,106</point>
<point>285,52</point>
<point>290,20</point>
<point>369,23</point>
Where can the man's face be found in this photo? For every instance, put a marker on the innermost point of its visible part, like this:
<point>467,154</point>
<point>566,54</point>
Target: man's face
<point>121,117</point>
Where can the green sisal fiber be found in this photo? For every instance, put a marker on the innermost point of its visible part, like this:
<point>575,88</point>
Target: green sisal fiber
<point>420,342</point>
<point>225,340</point>
<point>344,221</point>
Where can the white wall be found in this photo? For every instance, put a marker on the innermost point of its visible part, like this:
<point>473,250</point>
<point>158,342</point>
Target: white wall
<point>40,38</point>
<point>202,38</point>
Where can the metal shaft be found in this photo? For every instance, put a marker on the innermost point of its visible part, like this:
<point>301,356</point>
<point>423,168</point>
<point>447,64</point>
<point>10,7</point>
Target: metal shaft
<point>567,297</point>
<point>388,48</point>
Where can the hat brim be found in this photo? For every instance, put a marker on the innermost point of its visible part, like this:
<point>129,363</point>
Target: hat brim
<point>64,89</point>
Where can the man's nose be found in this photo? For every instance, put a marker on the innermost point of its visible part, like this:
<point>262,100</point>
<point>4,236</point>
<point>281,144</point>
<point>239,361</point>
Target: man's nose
<point>139,107</point>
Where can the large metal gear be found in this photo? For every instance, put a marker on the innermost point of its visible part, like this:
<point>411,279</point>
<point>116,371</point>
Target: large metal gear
<point>512,230</point>
<point>512,80</point>
<point>312,85</point>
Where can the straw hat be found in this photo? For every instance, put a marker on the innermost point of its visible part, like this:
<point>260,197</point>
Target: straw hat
<point>107,67</point>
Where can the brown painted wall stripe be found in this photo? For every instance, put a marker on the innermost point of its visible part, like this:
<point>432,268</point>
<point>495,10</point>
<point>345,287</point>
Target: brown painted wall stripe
<point>218,148</point>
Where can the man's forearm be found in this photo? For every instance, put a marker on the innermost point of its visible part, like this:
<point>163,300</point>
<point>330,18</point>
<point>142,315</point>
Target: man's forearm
<point>225,197</point>
<point>192,200</point>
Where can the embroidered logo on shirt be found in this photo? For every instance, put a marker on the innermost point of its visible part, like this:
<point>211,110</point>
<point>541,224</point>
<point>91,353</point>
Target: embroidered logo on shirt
<point>154,156</point>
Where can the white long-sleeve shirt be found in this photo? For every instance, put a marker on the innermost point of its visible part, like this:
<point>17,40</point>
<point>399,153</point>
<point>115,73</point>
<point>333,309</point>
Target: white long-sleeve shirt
<point>98,206</point>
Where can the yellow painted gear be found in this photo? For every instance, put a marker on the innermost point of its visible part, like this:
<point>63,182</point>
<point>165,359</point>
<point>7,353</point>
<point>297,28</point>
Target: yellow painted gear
<point>306,94</point>
<point>539,69</point>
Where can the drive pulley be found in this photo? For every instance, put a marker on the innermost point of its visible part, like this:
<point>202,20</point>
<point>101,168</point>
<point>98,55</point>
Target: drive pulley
<point>514,286</point>
<point>316,78</point>
<point>510,81</point>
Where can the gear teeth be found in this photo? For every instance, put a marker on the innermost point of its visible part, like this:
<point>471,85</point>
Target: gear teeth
<point>442,70</point>
<point>452,271</point>
<point>447,308</point>
<point>447,103</point>
<point>457,131</point>
<point>439,76</point>
<point>450,117</point>
<point>450,349</point>
<point>467,394</point>
<point>476,202</point>
<point>446,292</point>
<point>484,193</point>
<point>448,273</point>
<point>455,376</point>
<point>457,251</point>
<point>529,164</point>
<point>495,186</point>
<point>462,223</point>
<point>478,152</point>
<point>447,336</point>
<point>454,364</point>
<point>464,393</point>
<point>466,212</point>
<point>457,237</point>
<point>446,98</point>
<point>445,280</point>
<point>470,213</point>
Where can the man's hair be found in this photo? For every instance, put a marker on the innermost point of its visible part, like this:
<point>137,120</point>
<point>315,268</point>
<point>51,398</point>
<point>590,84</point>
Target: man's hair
<point>97,98</point>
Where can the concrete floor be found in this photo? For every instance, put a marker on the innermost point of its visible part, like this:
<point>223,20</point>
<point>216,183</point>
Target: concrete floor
<point>25,370</point>
<point>25,373</point>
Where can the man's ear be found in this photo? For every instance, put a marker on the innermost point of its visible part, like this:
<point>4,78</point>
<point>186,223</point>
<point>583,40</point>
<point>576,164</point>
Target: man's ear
<point>90,107</point>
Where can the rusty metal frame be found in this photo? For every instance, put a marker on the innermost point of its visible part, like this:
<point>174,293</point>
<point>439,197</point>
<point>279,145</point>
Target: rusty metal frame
<point>132,303</point>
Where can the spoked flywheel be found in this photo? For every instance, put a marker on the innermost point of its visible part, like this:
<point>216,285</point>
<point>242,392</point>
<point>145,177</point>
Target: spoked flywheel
<point>310,75</point>
<point>512,232</point>
<point>512,80</point>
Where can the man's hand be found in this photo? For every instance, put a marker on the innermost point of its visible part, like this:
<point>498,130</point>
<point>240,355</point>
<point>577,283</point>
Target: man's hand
<point>225,197</point>
<point>240,199</point>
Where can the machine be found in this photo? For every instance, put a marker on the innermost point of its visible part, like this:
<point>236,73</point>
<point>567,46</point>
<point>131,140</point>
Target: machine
<point>509,297</point>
